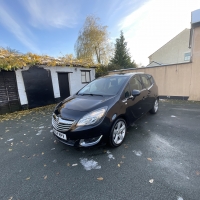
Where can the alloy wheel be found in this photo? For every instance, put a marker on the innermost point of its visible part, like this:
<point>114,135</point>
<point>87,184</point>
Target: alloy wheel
<point>156,106</point>
<point>119,132</point>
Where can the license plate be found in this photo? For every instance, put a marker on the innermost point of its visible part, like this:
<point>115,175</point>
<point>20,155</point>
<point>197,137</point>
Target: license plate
<point>60,135</point>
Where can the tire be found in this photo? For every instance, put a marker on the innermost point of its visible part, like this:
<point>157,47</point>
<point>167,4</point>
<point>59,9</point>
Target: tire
<point>154,110</point>
<point>118,133</point>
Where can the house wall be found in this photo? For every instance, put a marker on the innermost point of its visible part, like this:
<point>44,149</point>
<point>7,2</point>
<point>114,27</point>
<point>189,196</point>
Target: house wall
<point>21,87</point>
<point>174,50</point>
<point>195,74</point>
<point>182,80</point>
<point>74,80</point>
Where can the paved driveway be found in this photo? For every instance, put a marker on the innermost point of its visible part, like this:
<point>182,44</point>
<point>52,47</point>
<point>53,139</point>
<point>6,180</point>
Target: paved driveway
<point>160,159</point>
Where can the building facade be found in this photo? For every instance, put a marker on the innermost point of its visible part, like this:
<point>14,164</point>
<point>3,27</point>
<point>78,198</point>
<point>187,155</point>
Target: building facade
<point>36,86</point>
<point>175,51</point>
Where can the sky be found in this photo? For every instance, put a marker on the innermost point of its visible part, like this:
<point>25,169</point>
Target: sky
<point>52,26</point>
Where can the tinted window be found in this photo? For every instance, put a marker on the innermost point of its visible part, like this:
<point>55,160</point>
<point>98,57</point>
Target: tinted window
<point>126,92</point>
<point>135,84</point>
<point>104,86</point>
<point>145,81</point>
<point>150,78</point>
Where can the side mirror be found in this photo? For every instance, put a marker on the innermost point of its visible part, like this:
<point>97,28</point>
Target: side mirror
<point>135,93</point>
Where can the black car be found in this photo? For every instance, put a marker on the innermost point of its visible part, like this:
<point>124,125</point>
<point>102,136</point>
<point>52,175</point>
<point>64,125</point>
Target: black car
<point>102,110</point>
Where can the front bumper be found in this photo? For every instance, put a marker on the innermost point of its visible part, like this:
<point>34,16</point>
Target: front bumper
<point>81,142</point>
<point>86,136</point>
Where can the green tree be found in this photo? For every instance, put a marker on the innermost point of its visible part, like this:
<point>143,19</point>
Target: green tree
<point>101,71</point>
<point>93,42</point>
<point>121,57</point>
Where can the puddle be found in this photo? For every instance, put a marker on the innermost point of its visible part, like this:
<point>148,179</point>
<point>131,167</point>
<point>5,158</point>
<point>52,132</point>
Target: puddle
<point>110,156</point>
<point>137,153</point>
<point>89,164</point>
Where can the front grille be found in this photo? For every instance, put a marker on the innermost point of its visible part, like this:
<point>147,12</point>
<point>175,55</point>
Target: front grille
<point>61,124</point>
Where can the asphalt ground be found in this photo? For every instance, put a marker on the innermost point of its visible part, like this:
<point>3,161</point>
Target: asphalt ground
<point>159,159</point>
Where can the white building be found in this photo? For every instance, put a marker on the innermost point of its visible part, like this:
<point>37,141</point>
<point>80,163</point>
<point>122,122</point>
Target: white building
<point>35,86</point>
<point>175,51</point>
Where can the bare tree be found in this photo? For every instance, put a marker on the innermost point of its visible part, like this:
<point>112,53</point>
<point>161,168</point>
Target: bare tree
<point>93,42</point>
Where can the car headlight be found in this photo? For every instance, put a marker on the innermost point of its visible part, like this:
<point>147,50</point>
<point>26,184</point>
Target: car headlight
<point>92,117</point>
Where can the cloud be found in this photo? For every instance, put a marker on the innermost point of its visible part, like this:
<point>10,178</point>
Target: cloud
<point>154,24</point>
<point>16,28</point>
<point>51,13</point>
<point>117,8</point>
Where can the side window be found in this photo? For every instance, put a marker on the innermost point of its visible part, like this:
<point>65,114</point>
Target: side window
<point>135,84</point>
<point>126,92</point>
<point>145,81</point>
<point>150,78</point>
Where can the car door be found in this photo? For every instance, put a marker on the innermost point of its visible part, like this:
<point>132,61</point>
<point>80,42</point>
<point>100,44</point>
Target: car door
<point>152,90</point>
<point>143,104</point>
<point>147,91</point>
<point>135,103</point>
<point>126,104</point>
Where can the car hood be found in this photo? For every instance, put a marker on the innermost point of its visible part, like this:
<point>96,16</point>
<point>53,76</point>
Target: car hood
<point>77,106</point>
<point>84,103</point>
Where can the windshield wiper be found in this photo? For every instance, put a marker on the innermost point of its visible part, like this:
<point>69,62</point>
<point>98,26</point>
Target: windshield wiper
<point>91,94</point>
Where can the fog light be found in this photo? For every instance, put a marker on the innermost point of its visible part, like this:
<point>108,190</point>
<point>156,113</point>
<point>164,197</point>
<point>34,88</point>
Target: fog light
<point>90,141</point>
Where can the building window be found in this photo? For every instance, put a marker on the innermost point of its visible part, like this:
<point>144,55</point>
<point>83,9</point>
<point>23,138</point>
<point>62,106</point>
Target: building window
<point>85,76</point>
<point>187,56</point>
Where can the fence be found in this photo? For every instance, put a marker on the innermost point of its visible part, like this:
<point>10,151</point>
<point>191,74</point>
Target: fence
<point>179,80</point>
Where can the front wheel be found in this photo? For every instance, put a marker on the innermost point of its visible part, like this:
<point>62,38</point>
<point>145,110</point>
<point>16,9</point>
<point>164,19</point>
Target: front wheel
<point>117,133</point>
<point>154,110</point>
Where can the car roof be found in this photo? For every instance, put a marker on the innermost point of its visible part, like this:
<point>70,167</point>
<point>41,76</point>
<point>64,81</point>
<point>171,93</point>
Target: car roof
<point>124,74</point>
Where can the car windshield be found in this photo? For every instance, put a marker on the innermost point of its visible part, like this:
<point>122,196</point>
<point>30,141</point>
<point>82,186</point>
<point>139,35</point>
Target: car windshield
<point>104,86</point>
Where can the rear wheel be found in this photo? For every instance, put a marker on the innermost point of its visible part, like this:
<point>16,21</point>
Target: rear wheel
<point>117,133</point>
<point>154,110</point>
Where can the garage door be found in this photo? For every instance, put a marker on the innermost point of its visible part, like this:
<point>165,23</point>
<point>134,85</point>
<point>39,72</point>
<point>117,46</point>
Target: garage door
<point>9,97</point>
<point>63,85</point>
<point>38,86</point>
